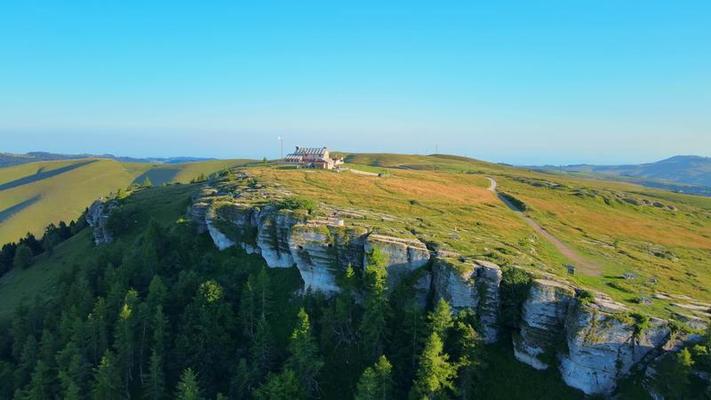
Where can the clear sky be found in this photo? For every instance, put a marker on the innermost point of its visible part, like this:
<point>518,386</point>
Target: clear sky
<point>520,82</point>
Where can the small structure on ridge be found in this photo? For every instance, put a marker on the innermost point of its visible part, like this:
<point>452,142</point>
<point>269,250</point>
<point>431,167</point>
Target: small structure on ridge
<point>312,157</point>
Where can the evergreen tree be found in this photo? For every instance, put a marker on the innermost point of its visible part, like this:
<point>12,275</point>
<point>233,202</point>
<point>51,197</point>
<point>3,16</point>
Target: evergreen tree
<point>435,376</point>
<point>97,341</point>
<point>188,388</point>
<point>41,384</point>
<point>154,381</point>
<point>73,370</point>
<point>125,342</point>
<point>255,301</point>
<point>376,382</point>
<point>23,257</point>
<point>283,386</point>
<point>440,319</point>
<point>373,326</point>
<point>304,359</point>
<point>469,362</point>
<point>107,379</point>
<point>240,382</point>
<point>262,349</point>
<point>27,361</point>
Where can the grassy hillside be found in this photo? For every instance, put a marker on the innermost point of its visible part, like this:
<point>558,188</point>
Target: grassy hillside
<point>660,240</point>
<point>35,194</point>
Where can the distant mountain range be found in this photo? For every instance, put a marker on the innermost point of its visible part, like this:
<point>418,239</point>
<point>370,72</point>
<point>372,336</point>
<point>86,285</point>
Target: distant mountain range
<point>9,159</point>
<point>688,174</point>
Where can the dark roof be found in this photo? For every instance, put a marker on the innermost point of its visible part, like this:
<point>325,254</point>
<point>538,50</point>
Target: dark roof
<point>302,151</point>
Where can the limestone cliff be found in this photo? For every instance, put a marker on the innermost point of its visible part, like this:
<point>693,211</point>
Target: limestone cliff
<point>97,217</point>
<point>320,247</point>
<point>542,322</point>
<point>472,285</point>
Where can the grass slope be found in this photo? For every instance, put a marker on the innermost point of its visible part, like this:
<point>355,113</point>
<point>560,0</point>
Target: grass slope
<point>662,240</point>
<point>35,194</point>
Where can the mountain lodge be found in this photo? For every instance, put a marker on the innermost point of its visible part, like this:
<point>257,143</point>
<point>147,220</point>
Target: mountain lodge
<point>312,157</point>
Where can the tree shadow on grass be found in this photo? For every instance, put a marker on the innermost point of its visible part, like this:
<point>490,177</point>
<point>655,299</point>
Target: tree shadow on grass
<point>12,210</point>
<point>41,175</point>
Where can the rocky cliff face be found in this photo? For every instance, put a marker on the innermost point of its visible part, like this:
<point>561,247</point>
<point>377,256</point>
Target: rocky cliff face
<point>97,217</point>
<point>320,248</point>
<point>404,255</point>
<point>473,285</point>
<point>603,346</point>
<point>542,322</point>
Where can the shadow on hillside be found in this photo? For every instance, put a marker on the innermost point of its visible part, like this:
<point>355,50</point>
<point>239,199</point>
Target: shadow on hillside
<point>158,176</point>
<point>10,211</point>
<point>41,175</point>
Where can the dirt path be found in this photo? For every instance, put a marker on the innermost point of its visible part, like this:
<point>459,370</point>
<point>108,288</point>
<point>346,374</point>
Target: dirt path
<point>581,264</point>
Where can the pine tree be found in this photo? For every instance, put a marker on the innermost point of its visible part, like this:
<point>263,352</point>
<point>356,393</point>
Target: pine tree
<point>107,379</point>
<point>241,380</point>
<point>374,323</point>
<point>440,319</point>
<point>469,362</point>
<point>154,382</point>
<point>262,349</point>
<point>188,388</point>
<point>304,359</point>
<point>376,382</point>
<point>125,342</point>
<point>435,376</point>
<point>283,386</point>
<point>255,301</point>
<point>73,370</point>
<point>98,331</point>
<point>40,386</point>
<point>23,257</point>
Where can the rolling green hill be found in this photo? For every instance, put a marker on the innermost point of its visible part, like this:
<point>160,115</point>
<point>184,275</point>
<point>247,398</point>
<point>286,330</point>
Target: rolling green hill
<point>32,195</point>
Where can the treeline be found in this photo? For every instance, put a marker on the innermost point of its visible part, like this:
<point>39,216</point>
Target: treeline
<point>21,253</point>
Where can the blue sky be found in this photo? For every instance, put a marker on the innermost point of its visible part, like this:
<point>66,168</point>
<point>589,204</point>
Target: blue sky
<point>519,82</point>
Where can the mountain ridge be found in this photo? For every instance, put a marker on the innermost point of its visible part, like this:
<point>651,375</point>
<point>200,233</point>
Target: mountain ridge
<point>10,159</point>
<point>680,173</point>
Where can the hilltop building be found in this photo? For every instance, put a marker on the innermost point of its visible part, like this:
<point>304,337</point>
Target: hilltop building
<point>312,157</point>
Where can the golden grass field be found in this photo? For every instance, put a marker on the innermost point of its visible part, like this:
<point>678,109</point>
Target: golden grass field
<point>444,199</point>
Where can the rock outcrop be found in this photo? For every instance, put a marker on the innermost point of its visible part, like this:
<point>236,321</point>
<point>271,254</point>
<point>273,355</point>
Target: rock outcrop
<point>97,217</point>
<point>321,248</point>
<point>472,285</point>
<point>542,322</point>
<point>404,255</point>
<point>603,346</point>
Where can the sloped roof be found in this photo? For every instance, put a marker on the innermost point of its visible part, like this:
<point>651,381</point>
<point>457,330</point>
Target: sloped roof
<point>302,151</point>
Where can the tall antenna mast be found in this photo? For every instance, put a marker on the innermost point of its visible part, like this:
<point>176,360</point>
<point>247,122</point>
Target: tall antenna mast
<point>281,147</point>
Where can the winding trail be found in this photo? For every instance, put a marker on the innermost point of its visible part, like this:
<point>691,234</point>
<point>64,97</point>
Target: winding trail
<point>581,264</point>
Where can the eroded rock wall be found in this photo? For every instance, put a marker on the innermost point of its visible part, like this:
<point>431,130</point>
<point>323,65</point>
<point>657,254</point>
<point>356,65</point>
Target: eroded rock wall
<point>97,217</point>
<point>470,285</point>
